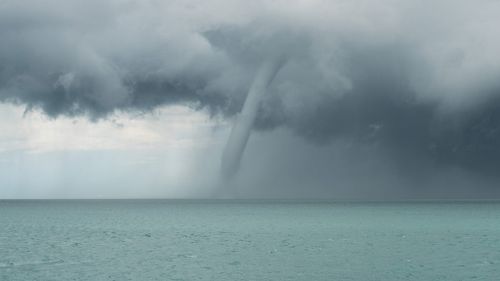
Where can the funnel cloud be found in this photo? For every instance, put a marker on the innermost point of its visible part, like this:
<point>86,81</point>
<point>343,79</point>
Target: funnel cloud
<point>240,132</point>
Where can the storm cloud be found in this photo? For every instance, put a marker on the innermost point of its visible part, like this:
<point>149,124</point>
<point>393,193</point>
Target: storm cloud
<point>419,79</point>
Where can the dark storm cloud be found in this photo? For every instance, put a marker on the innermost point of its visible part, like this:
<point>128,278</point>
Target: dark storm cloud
<point>420,79</point>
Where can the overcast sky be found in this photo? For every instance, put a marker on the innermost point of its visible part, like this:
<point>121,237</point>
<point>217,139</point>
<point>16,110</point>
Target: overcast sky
<point>376,100</point>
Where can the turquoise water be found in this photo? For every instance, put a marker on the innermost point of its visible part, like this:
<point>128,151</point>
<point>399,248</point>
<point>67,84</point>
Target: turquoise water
<point>243,240</point>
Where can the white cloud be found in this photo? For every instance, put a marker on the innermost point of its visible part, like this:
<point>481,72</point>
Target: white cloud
<point>156,154</point>
<point>166,128</point>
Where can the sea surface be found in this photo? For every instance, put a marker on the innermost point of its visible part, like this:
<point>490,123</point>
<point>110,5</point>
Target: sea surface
<point>248,240</point>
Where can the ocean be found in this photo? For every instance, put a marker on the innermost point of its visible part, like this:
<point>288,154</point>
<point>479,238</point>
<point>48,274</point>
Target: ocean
<point>248,240</point>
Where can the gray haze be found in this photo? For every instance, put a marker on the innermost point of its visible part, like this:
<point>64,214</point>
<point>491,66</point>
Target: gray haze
<point>376,98</point>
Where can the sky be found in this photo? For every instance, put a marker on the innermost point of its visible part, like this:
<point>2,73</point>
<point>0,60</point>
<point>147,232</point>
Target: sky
<point>136,99</point>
